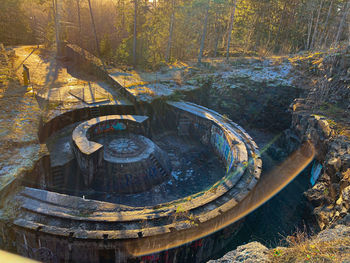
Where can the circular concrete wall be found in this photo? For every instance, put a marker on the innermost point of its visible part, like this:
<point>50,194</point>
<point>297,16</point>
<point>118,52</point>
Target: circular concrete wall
<point>125,232</point>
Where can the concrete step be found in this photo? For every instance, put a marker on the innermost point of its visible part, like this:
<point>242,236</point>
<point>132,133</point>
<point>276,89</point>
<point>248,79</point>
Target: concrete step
<point>158,165</point>
<point>57,176</point>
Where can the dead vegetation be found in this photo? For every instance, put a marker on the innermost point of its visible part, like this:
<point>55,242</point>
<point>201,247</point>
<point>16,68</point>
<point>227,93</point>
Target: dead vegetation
<point>327,77</point>
<point>301,248</point>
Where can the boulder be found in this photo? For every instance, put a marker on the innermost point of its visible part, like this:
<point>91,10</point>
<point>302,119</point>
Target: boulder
<point>324,126</point>
<point>318,195</point>
<point>339,231</point>
<point>253,252</point>
<point>324,216</point>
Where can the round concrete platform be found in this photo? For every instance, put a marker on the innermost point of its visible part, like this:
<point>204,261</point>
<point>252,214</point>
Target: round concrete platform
<point>128,148</point>
<point>132,163</point>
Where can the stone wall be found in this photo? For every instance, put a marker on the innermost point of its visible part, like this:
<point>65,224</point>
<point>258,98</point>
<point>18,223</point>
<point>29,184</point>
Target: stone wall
<point>330,196</point>
<point>49,248</point>
<point>89,154</point>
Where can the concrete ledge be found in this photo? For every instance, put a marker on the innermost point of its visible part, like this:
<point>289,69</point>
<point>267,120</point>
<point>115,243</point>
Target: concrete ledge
<point>59,119</point>
<point>89,154</point>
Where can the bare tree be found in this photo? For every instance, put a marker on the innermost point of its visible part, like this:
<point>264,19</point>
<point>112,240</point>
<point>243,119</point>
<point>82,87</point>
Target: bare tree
<point>79,23</point>
<point>309,29</point>
<point>167,54</point>
<point>57,30</point>
<point>204,32</point>
<point>316,25</point>
<point>342,21</point>
<point>323,37</point>
<point>230,28</point>
<point>94,28</point>
<point>135,32</point>
<point>217,35</point>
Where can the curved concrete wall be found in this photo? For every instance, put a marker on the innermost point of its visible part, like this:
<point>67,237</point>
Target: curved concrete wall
<point>89,154</point>
<point>224,136</point>
<point>131,231</point>
<point>51,124</point>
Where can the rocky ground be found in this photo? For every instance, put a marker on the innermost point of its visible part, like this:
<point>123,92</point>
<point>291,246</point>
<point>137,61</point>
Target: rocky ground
<point>19,122</point>
<point>330,245</point>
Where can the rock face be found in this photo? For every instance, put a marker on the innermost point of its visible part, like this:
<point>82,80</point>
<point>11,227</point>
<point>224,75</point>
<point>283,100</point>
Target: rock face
<point>330,194</point>
<point>252,91</point>
<point>253,252</point>
<point>323,119</point>
<point>339,231</point>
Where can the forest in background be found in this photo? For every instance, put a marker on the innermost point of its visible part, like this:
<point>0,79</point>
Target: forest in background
<point>149,33</point>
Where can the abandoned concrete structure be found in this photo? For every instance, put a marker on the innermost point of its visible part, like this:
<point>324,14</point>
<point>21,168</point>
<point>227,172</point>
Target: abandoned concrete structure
<point>119,180</point>
<point>124,157</point>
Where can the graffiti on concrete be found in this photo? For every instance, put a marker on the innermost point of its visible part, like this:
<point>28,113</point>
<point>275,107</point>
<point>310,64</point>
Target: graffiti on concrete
<point>222,146</point>
<point>203,131</point>
<point>109,126</point>
<point>197,244</point>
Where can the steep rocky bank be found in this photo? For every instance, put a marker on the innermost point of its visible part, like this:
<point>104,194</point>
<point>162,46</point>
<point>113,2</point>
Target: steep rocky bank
<point>324,118</point>
<point>253,92</point>
<point>321,116</point>
<point>330,195</point>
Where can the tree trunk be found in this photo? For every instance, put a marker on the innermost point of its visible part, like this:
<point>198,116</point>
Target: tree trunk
<point>217,35</point>
<point>232,18</point>
<point>323,37</point>
<point>310,29</point>
<point>57,30</point>
<point>341,24</point>
<point>204,33</point>
<point>168,50</point>
<point>94,29</point>
<point>79,24</point>
<point>316,25</point>
<point>349,34</point>
<point>277,37</point>
<point>135,32</point>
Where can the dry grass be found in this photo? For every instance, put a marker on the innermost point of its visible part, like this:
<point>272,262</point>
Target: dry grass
<point>304,249</point>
